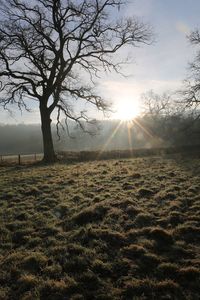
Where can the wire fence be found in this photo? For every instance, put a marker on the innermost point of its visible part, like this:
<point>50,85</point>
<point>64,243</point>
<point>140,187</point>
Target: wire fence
<point>20,158</point>
<point>79,156</point>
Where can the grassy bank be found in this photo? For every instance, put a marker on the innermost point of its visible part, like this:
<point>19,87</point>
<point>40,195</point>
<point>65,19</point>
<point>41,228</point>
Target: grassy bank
<point>114,229</point>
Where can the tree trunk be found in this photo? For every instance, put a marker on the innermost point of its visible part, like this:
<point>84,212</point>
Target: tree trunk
<point>48,148</point>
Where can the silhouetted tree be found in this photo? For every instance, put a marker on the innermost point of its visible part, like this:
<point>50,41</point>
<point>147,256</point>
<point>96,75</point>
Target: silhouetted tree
<point>169,118</point>
<point>162,114</point>
<point>157,105</point>
<point>46,44</point>
<point>190,94</point>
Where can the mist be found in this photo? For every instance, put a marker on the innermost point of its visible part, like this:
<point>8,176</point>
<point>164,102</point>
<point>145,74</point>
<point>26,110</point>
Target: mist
<point>143,132</point>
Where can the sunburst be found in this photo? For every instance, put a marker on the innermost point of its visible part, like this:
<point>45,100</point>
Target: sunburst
<point>127,110</point>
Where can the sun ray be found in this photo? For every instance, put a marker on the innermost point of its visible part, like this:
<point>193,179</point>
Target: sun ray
<point>110,138</point>
<point>130,139</point>
<point>129,125</point>
<point>144,129</point>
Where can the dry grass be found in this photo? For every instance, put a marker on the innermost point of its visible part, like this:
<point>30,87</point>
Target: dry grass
<point>115,229</point>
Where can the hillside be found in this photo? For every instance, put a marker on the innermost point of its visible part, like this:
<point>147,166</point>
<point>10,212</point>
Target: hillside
<point>115,229</point>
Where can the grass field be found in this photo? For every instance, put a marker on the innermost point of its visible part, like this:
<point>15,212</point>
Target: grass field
<point>115,229</point>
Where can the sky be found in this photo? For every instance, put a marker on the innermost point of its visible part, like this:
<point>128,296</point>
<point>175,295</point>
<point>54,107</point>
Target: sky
<point>161,66</point>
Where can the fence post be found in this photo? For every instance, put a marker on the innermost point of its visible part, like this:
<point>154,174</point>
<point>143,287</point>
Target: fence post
<point>19,159</point>
<point>1,158</point>
<point>35,157</point>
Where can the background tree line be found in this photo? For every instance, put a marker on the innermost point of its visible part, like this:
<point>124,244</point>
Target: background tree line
<point>146,132</point>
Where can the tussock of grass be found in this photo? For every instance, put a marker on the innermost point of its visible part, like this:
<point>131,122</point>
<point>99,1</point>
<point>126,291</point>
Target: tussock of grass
<point>143,220</point>
<point>149,262</point>
<point>101,268</point>
<point>57,289</point>
<point>119,229</point>
<point>168,270</point>
<point>189,233</point>
<point>161,236</point>
<point>133,251</point>
<point>152,290</point>
<point>90,214</point>
<point>112,238</point>
<point>190,274</point>
<point>145,193</point>
<point>27,282</point>
<point>34,262</point>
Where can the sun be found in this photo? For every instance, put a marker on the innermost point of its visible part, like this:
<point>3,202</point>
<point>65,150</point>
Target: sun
<point>127,110</point>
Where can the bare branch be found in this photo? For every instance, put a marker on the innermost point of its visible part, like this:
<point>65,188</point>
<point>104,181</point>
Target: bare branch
<point>44,44</point>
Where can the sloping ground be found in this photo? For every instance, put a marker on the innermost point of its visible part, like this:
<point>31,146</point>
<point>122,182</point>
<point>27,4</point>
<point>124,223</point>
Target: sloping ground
<point>126,229</point>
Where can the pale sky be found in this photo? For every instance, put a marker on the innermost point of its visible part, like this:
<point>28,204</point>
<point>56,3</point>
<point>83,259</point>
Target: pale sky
<point>161,66</point>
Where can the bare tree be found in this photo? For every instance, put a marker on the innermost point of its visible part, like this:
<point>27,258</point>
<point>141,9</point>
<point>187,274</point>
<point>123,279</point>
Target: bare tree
<point>46,44</point>
<point>162,112</point>
<point>190,94</point>
<point>170,118</point>
<point>157,105</point>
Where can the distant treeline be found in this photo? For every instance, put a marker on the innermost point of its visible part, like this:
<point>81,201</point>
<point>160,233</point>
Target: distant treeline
<point>81,156</point>
<point>146,132</point>
<point>21,138</point>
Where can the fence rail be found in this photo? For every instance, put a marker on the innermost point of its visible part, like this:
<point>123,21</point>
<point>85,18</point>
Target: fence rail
<point>20,158</point>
